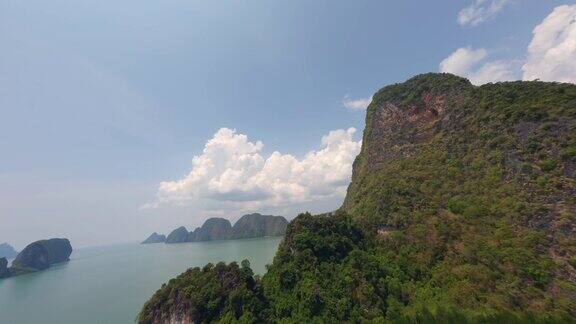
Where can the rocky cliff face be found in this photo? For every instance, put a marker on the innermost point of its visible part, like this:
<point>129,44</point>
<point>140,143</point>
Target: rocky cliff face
<point>459,167</point>
<point>248,226</point>
<point>403,119</point>
<point>440,127</point>
<point>155,238</point>
<point>7,251</point>
<point>40,255</point>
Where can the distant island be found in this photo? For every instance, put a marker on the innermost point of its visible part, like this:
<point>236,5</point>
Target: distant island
<point>248,226</point>
<point>37,256</point>
<point>7,251</point>
<point>155,238</point>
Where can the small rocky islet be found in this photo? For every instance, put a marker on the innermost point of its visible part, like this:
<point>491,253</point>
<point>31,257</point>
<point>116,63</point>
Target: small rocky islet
<point>248,226</point>
<point>37,256</point>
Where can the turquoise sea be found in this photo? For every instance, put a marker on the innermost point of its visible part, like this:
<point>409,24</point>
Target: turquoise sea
<point>109,284</point>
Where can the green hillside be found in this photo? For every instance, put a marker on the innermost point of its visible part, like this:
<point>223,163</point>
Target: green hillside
<point>462,208</point>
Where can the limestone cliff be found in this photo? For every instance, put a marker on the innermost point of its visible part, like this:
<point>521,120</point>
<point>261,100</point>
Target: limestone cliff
<point>248,226</point>
<point>40,255</point>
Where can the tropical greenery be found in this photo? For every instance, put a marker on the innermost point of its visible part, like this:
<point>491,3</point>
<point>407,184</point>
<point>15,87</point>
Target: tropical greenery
<point>213,293</point>
<point>462,208</point>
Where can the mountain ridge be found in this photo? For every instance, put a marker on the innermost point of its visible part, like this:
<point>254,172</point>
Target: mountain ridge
<point>248,226</point>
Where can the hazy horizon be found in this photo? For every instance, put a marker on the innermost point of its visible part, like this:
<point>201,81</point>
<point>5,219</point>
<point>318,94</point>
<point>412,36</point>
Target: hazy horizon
<point>123,119</point>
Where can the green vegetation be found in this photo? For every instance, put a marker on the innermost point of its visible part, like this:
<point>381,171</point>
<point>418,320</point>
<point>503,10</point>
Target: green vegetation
<point>462,208</point>
<point>214,293</point>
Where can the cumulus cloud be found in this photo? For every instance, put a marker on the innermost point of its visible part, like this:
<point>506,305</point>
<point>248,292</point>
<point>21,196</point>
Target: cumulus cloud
<point>231,172</point>
<point>356,104</point>
<point>462,60</point>
<point>474,65</point>
<point>551,55</point>
<point>552,51</point>
<point>480,11</point>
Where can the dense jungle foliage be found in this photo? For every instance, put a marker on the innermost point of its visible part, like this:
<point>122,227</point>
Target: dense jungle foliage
<point>462,208</point>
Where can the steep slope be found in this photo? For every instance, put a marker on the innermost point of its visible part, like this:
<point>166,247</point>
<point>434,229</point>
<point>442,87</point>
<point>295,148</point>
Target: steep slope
<point>462,208</point>
<point>466,198</point>
<point>212,229</point>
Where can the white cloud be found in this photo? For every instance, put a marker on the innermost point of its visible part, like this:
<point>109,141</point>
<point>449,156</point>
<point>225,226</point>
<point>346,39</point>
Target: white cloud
<point>473,64</point>
<point>357,104</point>
<point>232,174</point>
<point>551,55</point>
<point>494,71</point>
<point>480,11</point>
<point>462,60</point>
<point>552,51</point>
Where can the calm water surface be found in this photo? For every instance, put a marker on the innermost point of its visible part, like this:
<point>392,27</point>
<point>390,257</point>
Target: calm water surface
<point>110,284</point>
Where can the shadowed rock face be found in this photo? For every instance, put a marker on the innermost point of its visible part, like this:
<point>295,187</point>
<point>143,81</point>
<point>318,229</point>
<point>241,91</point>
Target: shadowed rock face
<point>41,254</point>
<point>438,147</point>
<point>155,238</point>
<point>4,268</point>
<point>396,126</point>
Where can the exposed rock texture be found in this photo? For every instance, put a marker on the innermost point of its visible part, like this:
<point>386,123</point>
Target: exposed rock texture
<point>494,164</point>
<point>179,235</point>
<point>155,238</point>
<point>7,251</point>
<point>41,254</point>
<point>257,225</point>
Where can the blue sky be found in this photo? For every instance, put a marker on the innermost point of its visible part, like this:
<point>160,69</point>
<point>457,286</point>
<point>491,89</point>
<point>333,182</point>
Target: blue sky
<point>102,101</point>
